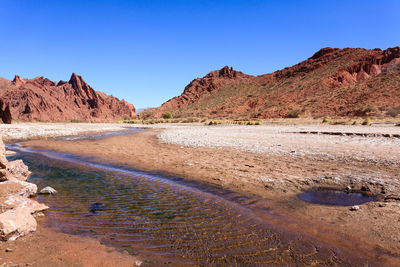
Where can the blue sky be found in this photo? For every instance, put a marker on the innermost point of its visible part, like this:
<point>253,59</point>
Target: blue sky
<point>147,51</point>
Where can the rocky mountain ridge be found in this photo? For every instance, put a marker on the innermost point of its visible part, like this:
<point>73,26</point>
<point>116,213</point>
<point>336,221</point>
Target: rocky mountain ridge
<point>41,99</point>
<point>332,82</point>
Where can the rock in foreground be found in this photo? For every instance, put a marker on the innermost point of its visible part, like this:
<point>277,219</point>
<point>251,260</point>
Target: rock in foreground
<point>18,208</point>
<point>15,223</point>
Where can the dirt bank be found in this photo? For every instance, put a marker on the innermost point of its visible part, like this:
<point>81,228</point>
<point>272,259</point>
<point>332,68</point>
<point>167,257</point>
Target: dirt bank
<point>47,247</point>
<point>274,177</point>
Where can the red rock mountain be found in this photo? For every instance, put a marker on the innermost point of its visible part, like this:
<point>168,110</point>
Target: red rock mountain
<point>41,99</point>
<point>333,82</point>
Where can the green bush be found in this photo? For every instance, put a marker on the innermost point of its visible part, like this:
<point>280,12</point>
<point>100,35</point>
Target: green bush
<point>326,120</point>
<point>367,121</point>
<point>167,115</point>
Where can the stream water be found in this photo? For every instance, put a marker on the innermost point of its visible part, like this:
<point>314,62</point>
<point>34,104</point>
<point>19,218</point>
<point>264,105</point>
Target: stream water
<point>163,219</point>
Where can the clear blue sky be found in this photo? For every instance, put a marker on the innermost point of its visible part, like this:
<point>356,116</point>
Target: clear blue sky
<point>147,51</point>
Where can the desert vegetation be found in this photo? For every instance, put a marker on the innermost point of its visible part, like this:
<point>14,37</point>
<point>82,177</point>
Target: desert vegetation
<point>205,121</point>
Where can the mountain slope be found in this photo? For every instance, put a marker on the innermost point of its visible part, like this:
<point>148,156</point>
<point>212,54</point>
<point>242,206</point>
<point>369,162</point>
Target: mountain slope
<point>41,99</point>
<point>333,82</point>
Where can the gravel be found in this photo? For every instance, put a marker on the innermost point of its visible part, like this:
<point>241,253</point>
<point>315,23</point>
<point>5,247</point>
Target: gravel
<point>25,131</point>
<point>273,139</point>
<point>278,139</point>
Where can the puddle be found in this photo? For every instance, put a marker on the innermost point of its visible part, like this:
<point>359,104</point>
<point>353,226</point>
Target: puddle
<point>336,198</point>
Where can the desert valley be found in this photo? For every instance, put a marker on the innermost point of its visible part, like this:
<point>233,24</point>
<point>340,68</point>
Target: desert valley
<point>306,159</point>
<point>199,133</point>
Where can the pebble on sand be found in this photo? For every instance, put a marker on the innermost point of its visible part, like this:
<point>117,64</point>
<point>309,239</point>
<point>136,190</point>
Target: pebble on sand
<point>354,208</point>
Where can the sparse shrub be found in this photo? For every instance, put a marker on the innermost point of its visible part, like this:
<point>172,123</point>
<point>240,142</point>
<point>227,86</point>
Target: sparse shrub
<point>354,123</point>
<point>365,111</point>
<point>145,115</point>
<point>326,120</point>
<point>75,121</point>
<point>369,109</point>
<point>393,112</point>
<point>167,115</point>
<point>292,114</point>
<point>259,122</point>
<point>131,121</point>
<point>213,122</point>
<point>190,120</point>
<point>367,121</point>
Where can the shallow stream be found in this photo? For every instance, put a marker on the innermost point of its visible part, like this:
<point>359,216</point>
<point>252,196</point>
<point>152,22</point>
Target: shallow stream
<point>163,219</point>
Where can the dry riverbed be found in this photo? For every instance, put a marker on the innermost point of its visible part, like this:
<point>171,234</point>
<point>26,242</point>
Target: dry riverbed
<point>29,131</point>
<point>275,163</point>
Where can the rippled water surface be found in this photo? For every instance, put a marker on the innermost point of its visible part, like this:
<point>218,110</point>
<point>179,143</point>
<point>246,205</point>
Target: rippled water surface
<point>159,218</point>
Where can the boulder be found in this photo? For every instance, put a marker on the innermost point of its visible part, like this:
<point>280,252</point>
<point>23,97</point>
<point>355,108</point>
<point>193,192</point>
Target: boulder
<point>48,191</point>
<point>31,205</point>
<point>17,170</point>
<point>3,159</point>
<point>28,189</point>
<point>16,223</point>
<point>16,187</point>
<point>9,188</point>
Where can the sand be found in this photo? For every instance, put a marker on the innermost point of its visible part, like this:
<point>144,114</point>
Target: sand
<point>48,247</point>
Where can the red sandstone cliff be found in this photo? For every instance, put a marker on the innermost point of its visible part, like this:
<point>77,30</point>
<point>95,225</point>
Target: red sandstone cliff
<point>41,99</point>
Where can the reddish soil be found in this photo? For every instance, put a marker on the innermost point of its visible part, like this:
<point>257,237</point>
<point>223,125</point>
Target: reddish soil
<point>47,247</point>
<point>41,99</point>
<point>333,82</point>
<point>374,225</point>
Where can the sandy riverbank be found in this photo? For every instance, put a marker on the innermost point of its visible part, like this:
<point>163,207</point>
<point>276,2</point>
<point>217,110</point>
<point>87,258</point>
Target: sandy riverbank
<point>275,173</point>
<point>48,247</point>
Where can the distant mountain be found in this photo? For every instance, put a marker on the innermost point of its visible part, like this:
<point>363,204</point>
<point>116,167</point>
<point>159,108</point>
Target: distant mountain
<point>333,82</point>
<point>140,110</point>
<point>41,99</point>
